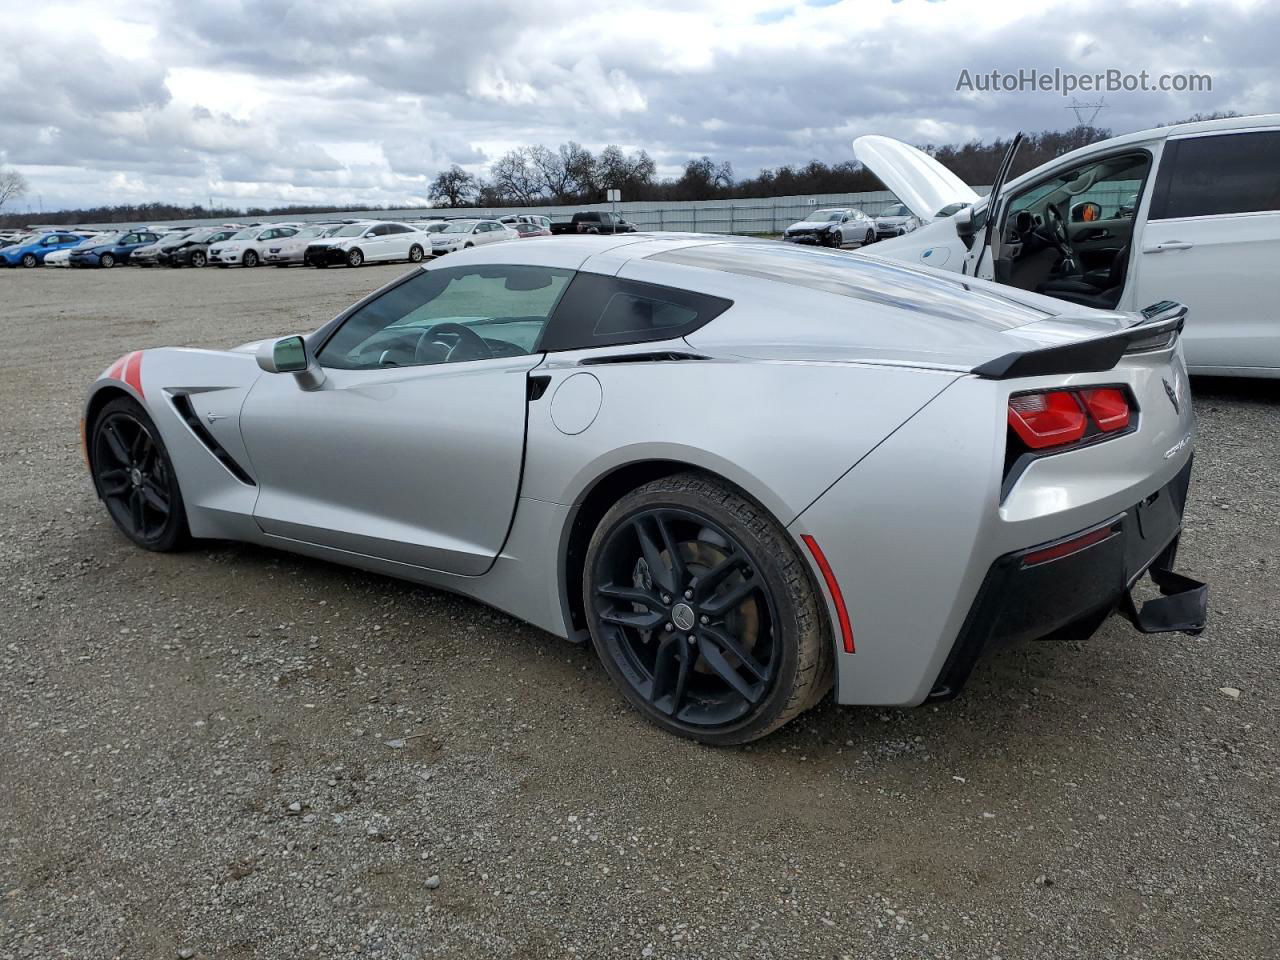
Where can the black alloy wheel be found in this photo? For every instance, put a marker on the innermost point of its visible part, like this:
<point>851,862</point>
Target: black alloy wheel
<point>135,477</point>
<point>703,613</point>
<point>835,238</point>
<point>869,239</point>
<point>250,259</point>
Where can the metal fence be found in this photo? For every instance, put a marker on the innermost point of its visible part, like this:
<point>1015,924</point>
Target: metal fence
<point>768,215</point>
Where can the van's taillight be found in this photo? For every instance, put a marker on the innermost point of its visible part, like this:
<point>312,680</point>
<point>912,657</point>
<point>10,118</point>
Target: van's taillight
<point>1047,419</point>
<point>1108,406</point>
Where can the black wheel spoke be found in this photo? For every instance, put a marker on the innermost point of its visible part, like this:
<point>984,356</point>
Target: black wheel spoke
<point>721,638</point>
<point>662,574</point>
<point>137,511</point>
<point>705,585</point>
<point>115,445</point>
<point>670,676</point>
<point>716,661</point>
<point>631,595</point>
<point>154,497</point>
<point>673,552</point>
<point>138,448</point>
<point>114,482</point>
<point>639,619</point>
<point>720,605</point>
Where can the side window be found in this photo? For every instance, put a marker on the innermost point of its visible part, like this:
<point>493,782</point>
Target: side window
<point>286,232</point>
<point>129,238</point>
<point>381,230</point>
<point>449,315</point>
<point>1218,175</point>
<point>399,228</point>
<point>600,311</point>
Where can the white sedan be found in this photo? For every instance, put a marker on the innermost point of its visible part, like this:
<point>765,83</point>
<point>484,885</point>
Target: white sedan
<point>461,234</point>
<point>367,242</point>
<point>833,228</point>
<point>248,247</point>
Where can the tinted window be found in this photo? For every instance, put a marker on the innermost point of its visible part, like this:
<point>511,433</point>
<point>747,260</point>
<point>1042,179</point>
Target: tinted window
<point>1207,176</point>
<point>501,311</point>
<point>600,311</point>
<point>381,230</point>
<point>398,228</point>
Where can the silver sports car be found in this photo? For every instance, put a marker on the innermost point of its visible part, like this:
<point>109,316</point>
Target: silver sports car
<point>745,471</point>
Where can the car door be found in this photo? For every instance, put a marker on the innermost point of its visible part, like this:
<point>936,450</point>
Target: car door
<point>411,449</point>
<point>1212,241</point>
<point>399,240</point>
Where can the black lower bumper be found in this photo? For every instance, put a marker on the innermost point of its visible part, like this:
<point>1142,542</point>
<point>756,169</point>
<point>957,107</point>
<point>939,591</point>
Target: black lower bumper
<point>324,256</point>
<point>1066,588</point>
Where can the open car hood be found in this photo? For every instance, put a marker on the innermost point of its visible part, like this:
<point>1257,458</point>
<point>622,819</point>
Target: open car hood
<point>918,180</point>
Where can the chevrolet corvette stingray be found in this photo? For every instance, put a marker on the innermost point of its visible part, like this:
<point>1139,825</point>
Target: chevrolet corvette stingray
<point>747,472</point>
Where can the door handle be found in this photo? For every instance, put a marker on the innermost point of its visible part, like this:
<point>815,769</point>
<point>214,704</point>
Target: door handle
<point>1167,245</point>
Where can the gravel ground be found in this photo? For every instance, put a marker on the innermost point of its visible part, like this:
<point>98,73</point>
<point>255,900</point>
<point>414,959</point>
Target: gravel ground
<point>238,753</point>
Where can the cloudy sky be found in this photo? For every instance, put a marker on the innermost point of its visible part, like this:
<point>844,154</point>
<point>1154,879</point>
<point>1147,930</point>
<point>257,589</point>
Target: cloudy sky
<point>271,101</point>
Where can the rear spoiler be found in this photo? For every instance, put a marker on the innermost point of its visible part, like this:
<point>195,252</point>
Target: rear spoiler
<point>1160,325</point>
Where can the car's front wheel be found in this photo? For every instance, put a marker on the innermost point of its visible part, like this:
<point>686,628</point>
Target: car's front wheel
<point>135,477</point>
<point>198,259</point>
<point>869,239</point>
<point>250,259</point>
<point>703,611</point>
<point>29,260</point>
<point>106,260</point>
<point>415,254</point>
<point>355,257</point>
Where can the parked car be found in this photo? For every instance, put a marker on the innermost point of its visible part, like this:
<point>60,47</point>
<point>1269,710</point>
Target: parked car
<point>248,246</point>
<point>355,244</point>
<point>154,254</point>
<point>525,230</point>
<point>62,258</point>
<point>1014,466</point>
<point>31,250</point>
<point>1204,229</point>
<point>896,221</point>
<point>536,219</point>
<point>116,249</point>
<point>461,234</point>
<point>593,221</point>
<point>291,251</point>
<point>193,251</point>
<point>833,228</point>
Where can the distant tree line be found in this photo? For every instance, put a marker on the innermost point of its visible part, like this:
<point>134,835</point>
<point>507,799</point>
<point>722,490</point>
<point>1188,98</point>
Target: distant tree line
<point>572,174</point>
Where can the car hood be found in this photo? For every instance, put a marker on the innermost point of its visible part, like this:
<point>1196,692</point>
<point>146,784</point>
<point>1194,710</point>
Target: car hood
<point>914,177</point>
<point>812,224</point>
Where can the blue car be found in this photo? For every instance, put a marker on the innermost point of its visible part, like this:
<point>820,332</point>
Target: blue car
<point>30,251</point>
<point>116,250</point>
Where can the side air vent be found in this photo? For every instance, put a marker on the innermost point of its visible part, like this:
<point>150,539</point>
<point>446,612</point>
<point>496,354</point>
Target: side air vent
<point>654,356</point>
<point>182,403</point>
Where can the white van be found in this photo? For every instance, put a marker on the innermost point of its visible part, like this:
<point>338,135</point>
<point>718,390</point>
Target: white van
<point>1189,212</point>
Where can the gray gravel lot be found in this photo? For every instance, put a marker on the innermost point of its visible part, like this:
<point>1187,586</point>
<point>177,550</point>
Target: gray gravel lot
<point>196,758</point>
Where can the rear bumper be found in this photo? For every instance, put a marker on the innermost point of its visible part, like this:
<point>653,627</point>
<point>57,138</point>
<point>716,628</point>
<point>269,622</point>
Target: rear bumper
<point>1066,588</point>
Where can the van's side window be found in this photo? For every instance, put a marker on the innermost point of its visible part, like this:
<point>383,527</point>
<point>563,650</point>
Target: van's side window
<point>1218,175</point>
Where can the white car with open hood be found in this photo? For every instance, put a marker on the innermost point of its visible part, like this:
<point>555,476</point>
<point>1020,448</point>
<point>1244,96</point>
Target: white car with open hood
<point>1189,213</point>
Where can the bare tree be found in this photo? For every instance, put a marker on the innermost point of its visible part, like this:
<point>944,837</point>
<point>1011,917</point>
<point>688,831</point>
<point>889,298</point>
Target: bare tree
<point>12,185</point>
<point>454,187</point>
<point>553,177</point>
<point>581,168</point>
<point>516,178</point>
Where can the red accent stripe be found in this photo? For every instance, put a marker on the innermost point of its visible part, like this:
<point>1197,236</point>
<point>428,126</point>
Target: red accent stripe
<point>842,613</point>
<point>117,368</point>
<point>1065,549</point>
<point>133,371</point>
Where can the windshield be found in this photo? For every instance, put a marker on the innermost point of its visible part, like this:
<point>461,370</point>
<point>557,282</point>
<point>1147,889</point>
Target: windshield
<point>822,215</point>
<point>435,228</point>
<point>459,226</point>
<point>351,230</point>
<point>248,233</point>
<point>308,232</point>
<point>896,210</point>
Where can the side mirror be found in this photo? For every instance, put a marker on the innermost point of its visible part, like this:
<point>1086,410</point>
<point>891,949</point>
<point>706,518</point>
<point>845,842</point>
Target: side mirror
<point>1086,212</point>
<point>291,355</point>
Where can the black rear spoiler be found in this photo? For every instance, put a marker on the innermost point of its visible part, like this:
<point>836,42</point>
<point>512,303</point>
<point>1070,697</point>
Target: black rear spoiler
<point>1160,325</point>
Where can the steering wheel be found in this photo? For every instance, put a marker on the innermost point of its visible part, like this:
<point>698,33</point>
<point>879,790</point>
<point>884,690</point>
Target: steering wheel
<point>1056,234</point>
<point>475,344</point>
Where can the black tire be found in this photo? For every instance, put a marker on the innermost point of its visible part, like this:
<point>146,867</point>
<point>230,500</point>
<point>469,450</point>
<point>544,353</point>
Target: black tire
<point>468,245</point>
<point>29,260</point>
<point>869,239</point>
<point>250,259</point>
<point>749,648</point>
<point>198,259</point>
<point>355,257</point>
<point>107,261</point>
<point>135,478</point>
<point>415,254</point>
<point>836,239</point>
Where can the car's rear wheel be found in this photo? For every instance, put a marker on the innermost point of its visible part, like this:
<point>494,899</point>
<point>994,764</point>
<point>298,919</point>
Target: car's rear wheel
<point>704,613</point>
<point>29,260</point>
<point>107,260</point>
<point>415,254</point>
<point>198,259</point>
<point>355,257</point>
<point>135,477</point>
<point>250,259</point>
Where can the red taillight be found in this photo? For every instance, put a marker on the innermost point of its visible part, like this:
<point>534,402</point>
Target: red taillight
<point>1047,419</point>
<point>1108,406</point>
<point>1068,547</point>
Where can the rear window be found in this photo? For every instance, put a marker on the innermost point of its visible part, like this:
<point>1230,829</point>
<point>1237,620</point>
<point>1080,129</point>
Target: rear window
<point>1218,175</point>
